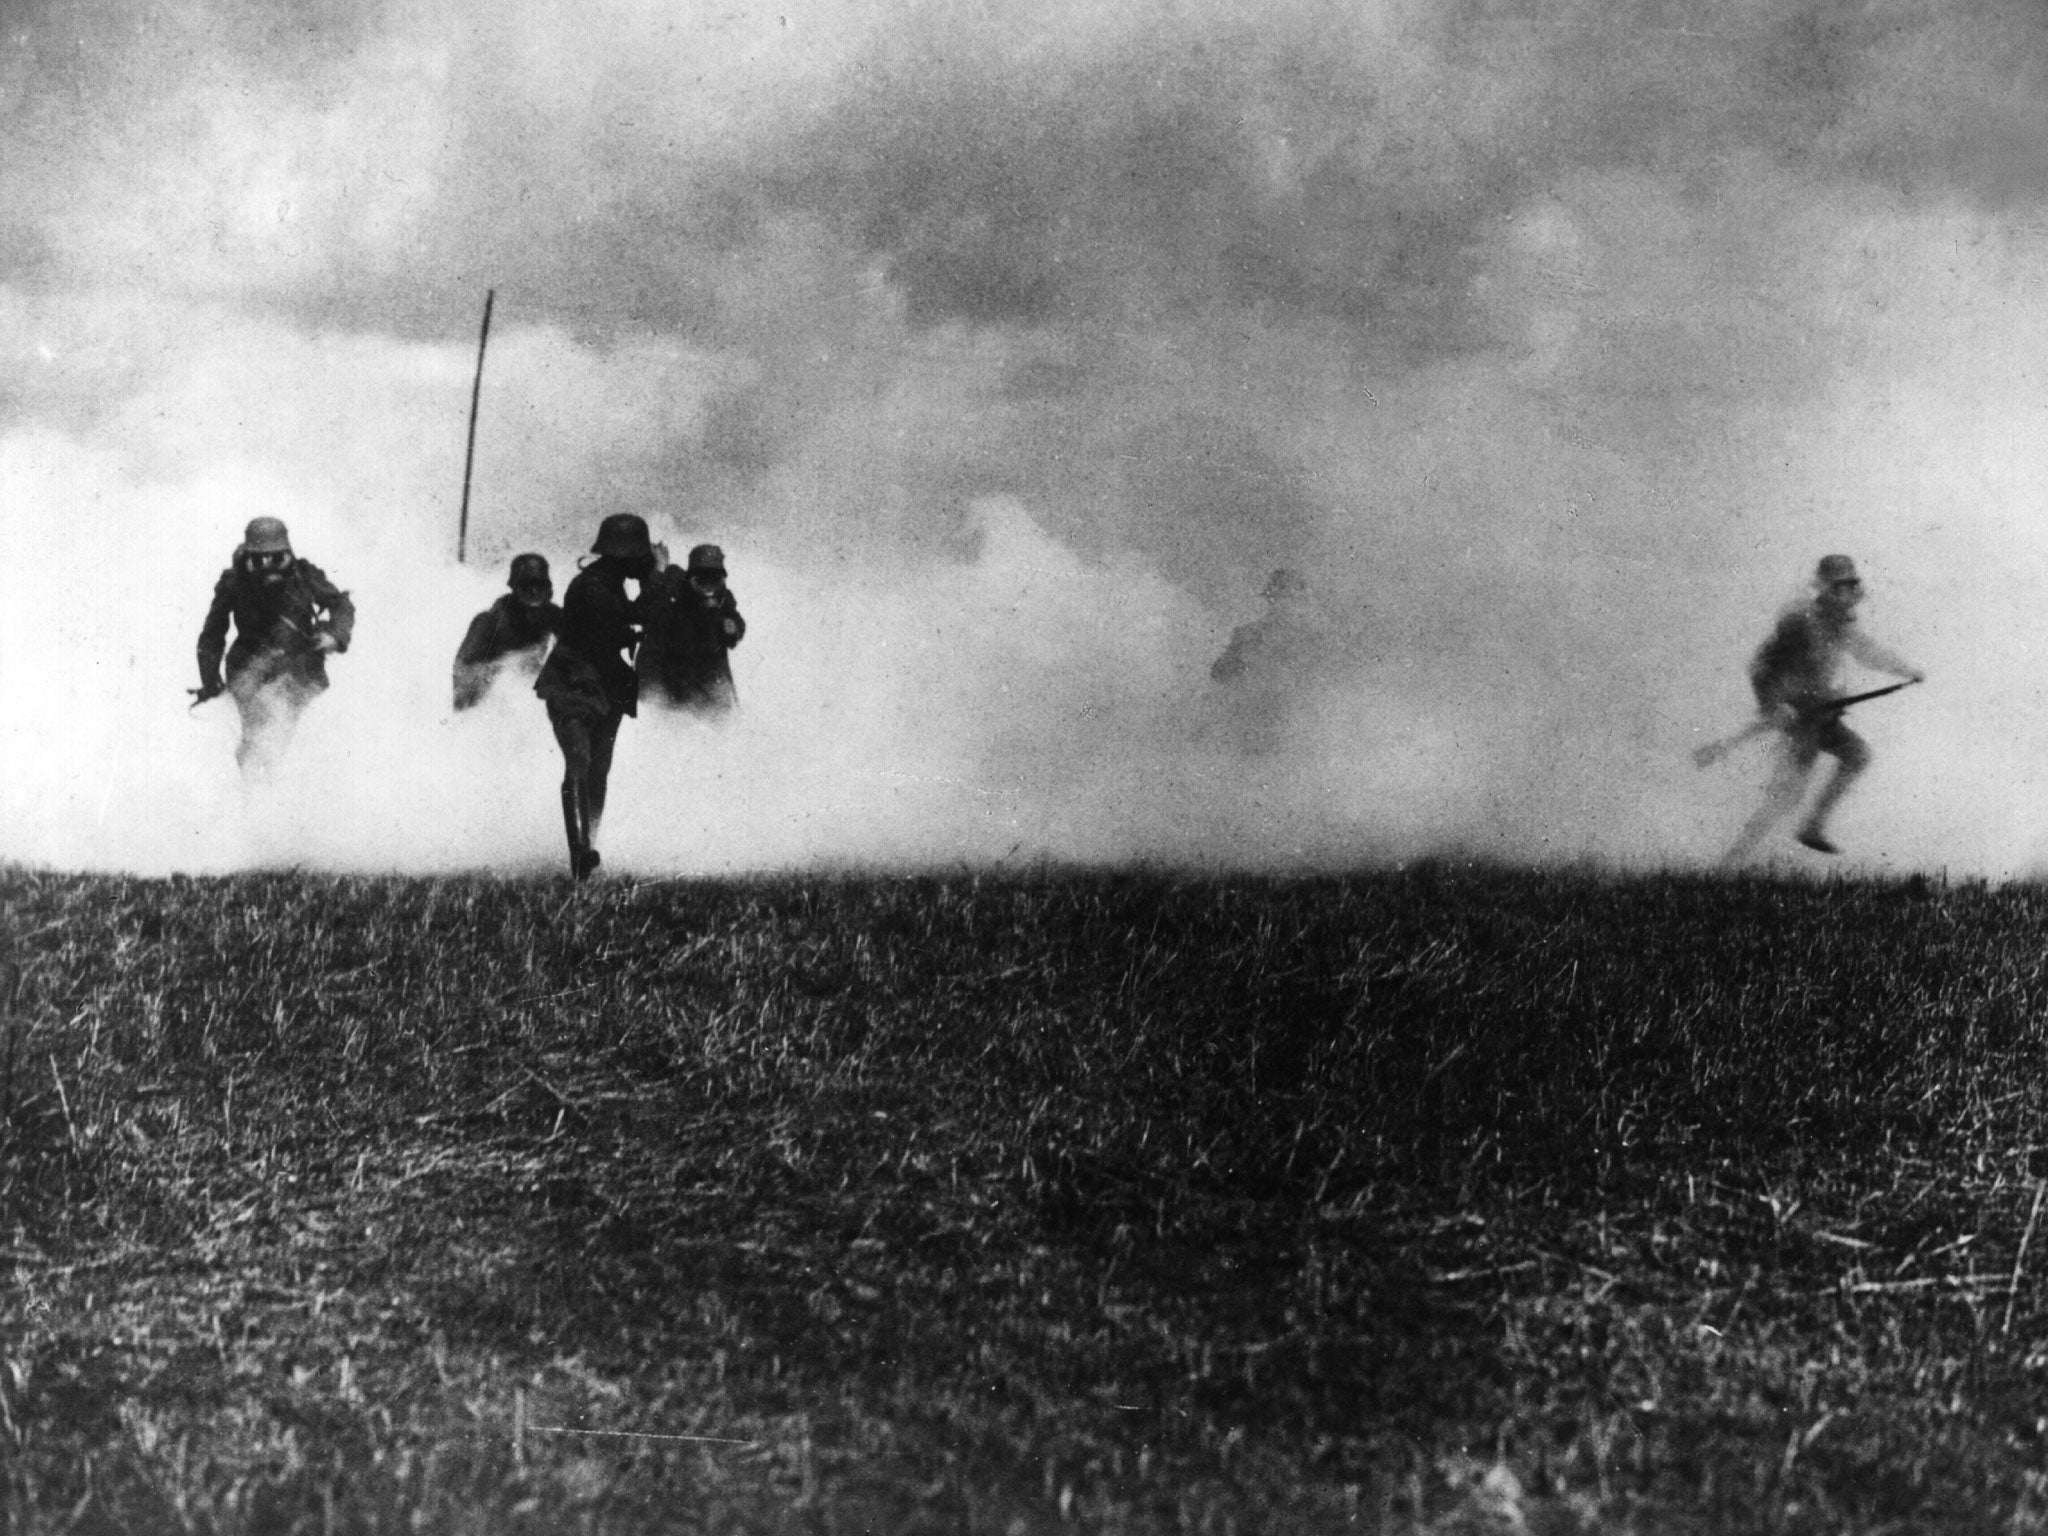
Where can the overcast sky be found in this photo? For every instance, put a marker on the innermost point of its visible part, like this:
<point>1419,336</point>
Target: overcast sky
<point>1006,348</point>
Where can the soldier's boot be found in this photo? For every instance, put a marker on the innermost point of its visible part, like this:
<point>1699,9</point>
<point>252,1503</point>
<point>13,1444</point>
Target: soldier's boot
<point>572,824</point>
<point>575,821</point>
<point>589,816</point>
<point>593,818</point>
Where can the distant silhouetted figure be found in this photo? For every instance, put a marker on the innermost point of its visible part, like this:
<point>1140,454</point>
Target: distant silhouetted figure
<point>588,681</point>
<point>288,619</point>
<point>512,633</point>
<point>1795,676</point>
<point>692,624</point>
<point>1270,660</point>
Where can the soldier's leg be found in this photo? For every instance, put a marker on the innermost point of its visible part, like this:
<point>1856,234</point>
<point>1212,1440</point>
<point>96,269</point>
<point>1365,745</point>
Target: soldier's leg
<point>256,754</point>
<point>572,734</point>
<point>270,699</point>
<point>604,737</point>
<point>1852,755</point>
<point>252,715</point>
<point>1794,758</point>
<point>289,698</point>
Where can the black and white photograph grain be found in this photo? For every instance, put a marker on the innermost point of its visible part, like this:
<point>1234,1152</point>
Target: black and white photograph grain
<point>1007,767</point>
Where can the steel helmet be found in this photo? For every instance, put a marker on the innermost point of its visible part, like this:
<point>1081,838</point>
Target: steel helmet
<point>1836,570</point>
<point>708,557</point>
<point>528,568</point>
<point>623,536</point>
<point>266,536</point>
<point>1285,583</point>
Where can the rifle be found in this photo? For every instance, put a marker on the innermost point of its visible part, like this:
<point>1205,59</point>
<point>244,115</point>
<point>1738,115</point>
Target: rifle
<point>1714,751</point>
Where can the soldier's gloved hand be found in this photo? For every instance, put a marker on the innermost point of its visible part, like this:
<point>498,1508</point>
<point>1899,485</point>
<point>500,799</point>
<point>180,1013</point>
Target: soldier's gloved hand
<point>325,643</point>
<point>731,628</point>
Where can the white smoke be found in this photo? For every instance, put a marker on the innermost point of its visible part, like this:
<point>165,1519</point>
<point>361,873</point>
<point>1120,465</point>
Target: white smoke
<point>1004,361</point>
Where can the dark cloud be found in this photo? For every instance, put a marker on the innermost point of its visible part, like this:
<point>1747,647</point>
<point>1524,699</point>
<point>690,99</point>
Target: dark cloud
<point>1949,102</point>
<point>1311,160</point>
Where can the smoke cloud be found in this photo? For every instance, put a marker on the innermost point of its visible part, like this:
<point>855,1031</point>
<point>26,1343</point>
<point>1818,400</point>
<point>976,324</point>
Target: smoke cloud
<point>1006,350</point>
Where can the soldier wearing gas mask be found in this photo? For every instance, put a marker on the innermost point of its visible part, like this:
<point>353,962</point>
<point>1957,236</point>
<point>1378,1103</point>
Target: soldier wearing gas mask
<point>693,621</point>
<point>288,619</point>
<point>588,682</point>
<point>512,633</point>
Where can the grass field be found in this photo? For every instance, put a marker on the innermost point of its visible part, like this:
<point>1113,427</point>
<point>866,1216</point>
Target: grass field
<point>1447,1199</point>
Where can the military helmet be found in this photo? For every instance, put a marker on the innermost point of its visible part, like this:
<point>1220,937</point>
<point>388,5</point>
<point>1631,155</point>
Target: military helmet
<point>708,557</point>
<point>266,536</point>
<point>1285,583</point>
<point>528,568</point>
<point>623,536</point>
<point>1836,570</point>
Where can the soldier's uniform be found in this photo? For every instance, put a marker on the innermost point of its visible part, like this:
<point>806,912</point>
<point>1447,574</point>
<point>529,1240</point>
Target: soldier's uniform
<point>512,633</point>
<point>693,622</point>
<point>588,682</point>
<point>287,617</point>
<point>1794,673</point>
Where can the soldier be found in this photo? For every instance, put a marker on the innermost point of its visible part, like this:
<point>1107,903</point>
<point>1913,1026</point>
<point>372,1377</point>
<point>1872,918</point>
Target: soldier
<point>692,623</point>
<point>514,631</point>
<point>588,680</point>
<point>288,618</point>
<point>1794,675</point>
<point>1269,659</point>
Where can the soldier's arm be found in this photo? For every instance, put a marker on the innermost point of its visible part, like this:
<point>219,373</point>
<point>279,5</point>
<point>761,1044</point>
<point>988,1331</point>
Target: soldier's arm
<point>1778,672</point>
<point>476,647</point>
<point>340,622</point>
<point>471,683</point>
<point>472,676</point>
<point>213,634</point>
<point>735,627</point>
<point>1878,658</point>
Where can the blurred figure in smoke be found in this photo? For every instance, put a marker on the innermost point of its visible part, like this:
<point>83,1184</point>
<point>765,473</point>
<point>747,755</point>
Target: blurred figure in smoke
<point>1795,676</point>
<point>692,623</point>
<point>288,618</point>
<point>588,679</point>
<point>513,632</point>
<point>1271,660</point>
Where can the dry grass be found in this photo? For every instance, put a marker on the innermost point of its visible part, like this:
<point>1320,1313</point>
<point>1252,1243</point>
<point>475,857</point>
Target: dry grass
<point>1450,1200</point>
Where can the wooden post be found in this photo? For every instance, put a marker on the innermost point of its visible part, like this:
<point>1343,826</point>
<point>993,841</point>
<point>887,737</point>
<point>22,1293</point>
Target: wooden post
<point>469,455</point>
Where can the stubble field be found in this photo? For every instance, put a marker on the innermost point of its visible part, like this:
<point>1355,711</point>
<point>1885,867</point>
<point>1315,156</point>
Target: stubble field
<point>1447,1199</point>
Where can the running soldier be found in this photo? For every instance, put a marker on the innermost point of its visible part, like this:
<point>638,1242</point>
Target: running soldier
<point>692,624</point>
<point>1269,660</point>
<point>513,632</point>
<point>588,681</point>
<point>288,619</point>
<point>1795,676</point>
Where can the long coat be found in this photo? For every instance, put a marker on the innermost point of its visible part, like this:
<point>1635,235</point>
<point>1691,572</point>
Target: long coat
<point>277,628</point>
<point>589,673</point>
<point>689,633</point>
<point>507,628</point>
